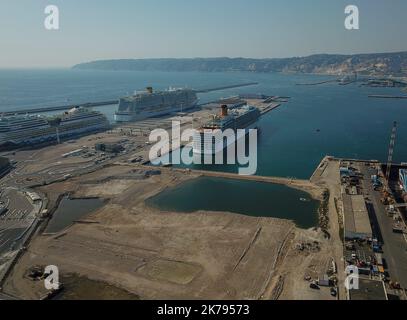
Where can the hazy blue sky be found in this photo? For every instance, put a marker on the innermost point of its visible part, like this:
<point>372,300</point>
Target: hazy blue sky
<point>107,29</point>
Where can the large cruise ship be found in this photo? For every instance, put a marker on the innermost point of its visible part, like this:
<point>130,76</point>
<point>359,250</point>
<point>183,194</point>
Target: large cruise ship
<point>207,139</point>
<point>149,104</point>
<point>16,131</point>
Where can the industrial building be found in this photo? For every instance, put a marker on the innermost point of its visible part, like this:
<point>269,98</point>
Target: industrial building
<point>356,216</point>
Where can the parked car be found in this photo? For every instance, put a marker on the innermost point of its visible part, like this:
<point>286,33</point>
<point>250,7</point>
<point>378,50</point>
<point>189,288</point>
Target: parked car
<point>314,286</point>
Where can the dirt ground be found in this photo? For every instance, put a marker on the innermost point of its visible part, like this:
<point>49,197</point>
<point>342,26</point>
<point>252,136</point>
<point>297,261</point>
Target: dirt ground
<point>168,255</point>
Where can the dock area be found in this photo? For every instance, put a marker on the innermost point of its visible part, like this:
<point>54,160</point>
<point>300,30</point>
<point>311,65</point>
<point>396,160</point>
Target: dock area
<point>270,107</point>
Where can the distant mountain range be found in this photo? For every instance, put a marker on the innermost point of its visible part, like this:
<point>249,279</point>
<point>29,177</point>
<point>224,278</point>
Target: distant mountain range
<point>375,64</point>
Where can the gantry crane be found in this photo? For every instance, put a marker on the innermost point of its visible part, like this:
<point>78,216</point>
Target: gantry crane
<point>390,157</point>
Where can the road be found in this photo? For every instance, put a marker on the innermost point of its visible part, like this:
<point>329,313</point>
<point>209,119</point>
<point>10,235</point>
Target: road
<point>15,225</point>
<point>16,220</point>
<point>394,245</point>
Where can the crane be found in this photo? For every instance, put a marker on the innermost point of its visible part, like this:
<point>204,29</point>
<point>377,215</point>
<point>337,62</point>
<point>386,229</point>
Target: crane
<point>390,157</point>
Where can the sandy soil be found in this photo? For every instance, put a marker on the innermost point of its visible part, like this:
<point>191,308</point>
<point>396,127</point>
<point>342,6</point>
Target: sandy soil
<point>167,255</point>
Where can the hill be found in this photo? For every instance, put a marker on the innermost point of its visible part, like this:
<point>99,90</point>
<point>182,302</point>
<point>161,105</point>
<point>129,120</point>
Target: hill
<point>377,64</point>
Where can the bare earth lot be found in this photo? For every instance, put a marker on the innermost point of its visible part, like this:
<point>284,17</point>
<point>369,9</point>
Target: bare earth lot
<point>167,255</point>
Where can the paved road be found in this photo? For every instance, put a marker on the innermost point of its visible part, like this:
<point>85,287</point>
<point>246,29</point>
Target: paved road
<point>16,220</point>
<point>394,245</point>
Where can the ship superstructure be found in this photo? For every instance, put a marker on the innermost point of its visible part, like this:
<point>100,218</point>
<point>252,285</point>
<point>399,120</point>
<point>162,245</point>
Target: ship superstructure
<point>214,136</point>
<point>18,131</point>
<point>149,104</point>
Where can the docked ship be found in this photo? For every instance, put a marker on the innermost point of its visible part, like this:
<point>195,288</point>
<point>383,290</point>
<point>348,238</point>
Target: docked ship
<point>213,136</point>
<point>18,131</point>
<point>150,104</point>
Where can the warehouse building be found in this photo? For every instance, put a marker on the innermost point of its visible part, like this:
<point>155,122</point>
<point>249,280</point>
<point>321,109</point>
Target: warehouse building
<point>357,222</point>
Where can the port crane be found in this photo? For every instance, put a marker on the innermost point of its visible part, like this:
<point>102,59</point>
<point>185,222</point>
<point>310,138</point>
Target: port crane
<point>390,157</point>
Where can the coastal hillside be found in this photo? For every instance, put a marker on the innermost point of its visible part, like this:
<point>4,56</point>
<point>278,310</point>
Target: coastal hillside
<point>377,64</point>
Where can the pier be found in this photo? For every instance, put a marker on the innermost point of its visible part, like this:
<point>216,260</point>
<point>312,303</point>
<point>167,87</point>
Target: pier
<point>269,107</point>
<point>59,108</point>
<point>317,83</point>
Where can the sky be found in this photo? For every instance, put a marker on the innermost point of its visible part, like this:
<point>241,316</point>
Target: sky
<point>107,29</point>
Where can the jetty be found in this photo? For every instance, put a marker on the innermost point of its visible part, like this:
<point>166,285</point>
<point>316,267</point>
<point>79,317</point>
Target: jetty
<point>269,107</point>
<point>59,108</point>
<point>233,86</point>
<point>317,83</point>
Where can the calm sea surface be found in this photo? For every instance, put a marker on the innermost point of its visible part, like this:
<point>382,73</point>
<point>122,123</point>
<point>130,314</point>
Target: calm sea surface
<point>350,124</point>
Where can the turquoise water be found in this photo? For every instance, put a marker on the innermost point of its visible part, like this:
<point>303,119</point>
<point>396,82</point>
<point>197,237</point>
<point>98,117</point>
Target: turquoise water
<point>350,123</point>
<point>244,197</point>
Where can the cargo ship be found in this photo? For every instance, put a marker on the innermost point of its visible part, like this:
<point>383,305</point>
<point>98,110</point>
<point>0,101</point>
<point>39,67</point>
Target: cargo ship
<point>150,104</point>
<point>19,131</point>
<point>208,141</point>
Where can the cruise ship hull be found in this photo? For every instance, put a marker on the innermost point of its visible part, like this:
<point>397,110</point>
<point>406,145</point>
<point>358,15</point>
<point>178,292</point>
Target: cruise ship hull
<point>150,104</point>
<point>50,136</point>
<point>200,147</point>
<point>27,131</point>
<point>130,117</point>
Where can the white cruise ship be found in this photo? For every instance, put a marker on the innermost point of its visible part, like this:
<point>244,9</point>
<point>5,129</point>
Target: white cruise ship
<point>149,104</point>
<point>209,139</point>
<point>17,131</point>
